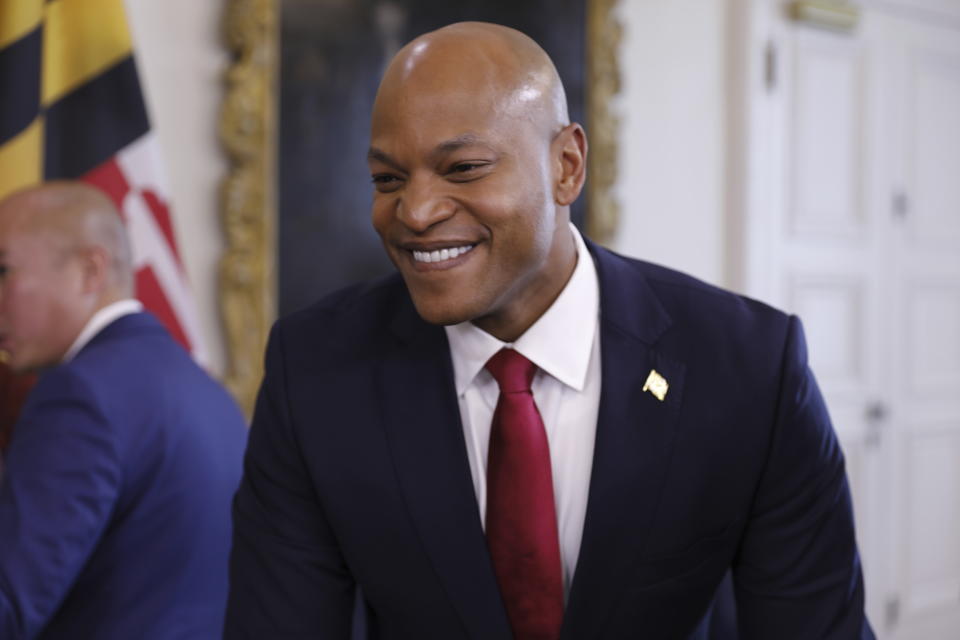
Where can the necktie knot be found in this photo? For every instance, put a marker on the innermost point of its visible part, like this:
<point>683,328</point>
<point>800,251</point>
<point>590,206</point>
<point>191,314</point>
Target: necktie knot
<point>512,371</point>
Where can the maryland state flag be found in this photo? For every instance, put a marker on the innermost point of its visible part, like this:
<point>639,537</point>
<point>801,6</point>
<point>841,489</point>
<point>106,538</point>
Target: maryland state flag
<point>71,107</point>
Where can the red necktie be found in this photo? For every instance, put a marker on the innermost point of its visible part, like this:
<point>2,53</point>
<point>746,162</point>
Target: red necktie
<point>521,517</point>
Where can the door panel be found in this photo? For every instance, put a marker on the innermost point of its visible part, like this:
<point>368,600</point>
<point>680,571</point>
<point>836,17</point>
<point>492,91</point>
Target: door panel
<point>826,247</point>
<point>860,227</point>
<point>923,270</point>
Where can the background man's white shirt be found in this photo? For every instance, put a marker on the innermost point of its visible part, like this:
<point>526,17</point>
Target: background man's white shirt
<point>98,321</point>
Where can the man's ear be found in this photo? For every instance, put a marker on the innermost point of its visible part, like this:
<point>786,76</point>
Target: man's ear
<point>96,264</point>
<point>570,153</point>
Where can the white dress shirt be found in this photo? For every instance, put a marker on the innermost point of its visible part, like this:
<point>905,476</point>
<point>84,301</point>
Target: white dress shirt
<point>98,321</point>
<point>564,343</point>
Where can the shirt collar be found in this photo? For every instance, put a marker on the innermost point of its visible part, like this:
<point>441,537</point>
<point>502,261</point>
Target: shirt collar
<point>98,321</point>
<point>571,321</point>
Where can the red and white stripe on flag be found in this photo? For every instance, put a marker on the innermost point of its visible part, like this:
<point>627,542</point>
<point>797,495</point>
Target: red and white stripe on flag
<point>132,179</point>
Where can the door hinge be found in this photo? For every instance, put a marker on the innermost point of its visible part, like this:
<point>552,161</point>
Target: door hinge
<point>901,204</point>
<point>876,415</point>
<point>891,612</point>
<point>770,66</point>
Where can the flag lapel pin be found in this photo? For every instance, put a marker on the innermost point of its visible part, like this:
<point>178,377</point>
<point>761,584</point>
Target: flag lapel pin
<point>656,384</point>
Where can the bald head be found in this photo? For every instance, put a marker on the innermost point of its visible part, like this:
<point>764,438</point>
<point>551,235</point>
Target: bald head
<point>63,256</point>
<point>497,66</point>
<point>73,215</point>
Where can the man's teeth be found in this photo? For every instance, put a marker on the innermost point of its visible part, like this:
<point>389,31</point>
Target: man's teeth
<point>439,255</point>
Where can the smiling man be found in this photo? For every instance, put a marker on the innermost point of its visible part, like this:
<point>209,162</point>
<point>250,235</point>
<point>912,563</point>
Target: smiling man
<point>473,187</point>
<point>523,435</point>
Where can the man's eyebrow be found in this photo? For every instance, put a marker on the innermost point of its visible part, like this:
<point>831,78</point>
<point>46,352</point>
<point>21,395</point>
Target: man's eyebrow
<point>382,156</point>
<point>459,142</point>
<point>447,146</point>
<point>463,140</point>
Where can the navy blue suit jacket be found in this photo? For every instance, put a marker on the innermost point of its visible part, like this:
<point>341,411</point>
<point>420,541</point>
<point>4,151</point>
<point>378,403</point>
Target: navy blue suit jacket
<point>115,503</point>
<point>356,472</point>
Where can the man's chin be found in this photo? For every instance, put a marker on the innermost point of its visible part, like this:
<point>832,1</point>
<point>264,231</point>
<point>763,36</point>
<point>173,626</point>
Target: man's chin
<point>23,364</point>
<point>442,319</point>
<point>437,313</point>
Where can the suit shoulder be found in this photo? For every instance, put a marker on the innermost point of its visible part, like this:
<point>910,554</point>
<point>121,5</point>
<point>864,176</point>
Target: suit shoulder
<point>65,386</point>
<point>704,318</point>
<point>355,315</point>
<point>355,307</point>
<point>685,295</point>
<point>112,368</point>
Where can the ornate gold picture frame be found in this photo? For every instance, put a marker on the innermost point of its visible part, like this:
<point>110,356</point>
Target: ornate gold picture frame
<point>247,277</point>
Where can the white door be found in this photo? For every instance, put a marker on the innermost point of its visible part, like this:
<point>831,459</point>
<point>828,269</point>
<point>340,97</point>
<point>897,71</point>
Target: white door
<point>852,173</point>
<point>921,143</point>
<point>826,234</point>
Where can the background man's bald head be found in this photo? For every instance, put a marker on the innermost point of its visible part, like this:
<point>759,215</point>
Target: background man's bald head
<point>72,215</point>
<point>495,63</point>
<point>63,256</point>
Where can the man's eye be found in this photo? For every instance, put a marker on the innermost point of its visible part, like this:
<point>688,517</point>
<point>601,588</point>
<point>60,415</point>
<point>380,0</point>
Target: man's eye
<point>3,270</point>
<point>385,181</point>
<point>468,171</point>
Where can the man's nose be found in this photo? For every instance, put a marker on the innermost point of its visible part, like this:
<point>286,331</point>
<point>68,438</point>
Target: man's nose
<point>424,204</point>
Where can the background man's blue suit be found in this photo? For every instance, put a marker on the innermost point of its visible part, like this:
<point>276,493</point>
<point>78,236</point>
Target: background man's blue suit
<point>114,508</point>
<point>356,470</point>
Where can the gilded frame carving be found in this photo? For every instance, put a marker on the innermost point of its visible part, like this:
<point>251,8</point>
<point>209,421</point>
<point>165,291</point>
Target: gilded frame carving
<point>247,276</point>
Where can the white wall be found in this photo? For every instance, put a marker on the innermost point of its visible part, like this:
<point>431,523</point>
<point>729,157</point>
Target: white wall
<point>671,182</point>
<point>181,60</point>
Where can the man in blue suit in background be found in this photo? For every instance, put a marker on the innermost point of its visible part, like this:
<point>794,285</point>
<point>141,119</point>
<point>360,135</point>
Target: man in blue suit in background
<point>523,435</point>
<point>114,505</point>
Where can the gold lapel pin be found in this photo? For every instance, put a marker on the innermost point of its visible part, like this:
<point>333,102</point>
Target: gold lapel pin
<point>656,384</point>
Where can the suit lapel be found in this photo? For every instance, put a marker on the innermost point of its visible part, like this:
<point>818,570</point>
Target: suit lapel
<point>422,420</point>
<point>635,436</point>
